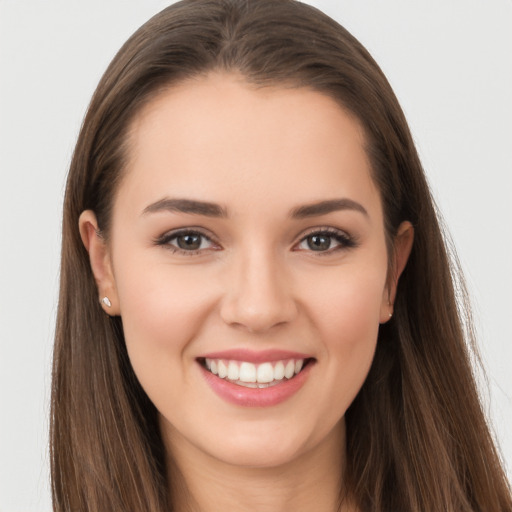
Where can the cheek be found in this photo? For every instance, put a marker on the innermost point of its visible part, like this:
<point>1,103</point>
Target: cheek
<point>161,310</point>
<point>347,318</point>
<point>347,302</point>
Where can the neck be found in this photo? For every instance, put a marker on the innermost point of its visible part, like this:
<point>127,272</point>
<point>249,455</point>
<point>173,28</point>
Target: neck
<point>311,481</point>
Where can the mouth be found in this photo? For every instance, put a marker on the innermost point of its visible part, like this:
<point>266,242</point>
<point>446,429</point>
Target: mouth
<point>255,375</point>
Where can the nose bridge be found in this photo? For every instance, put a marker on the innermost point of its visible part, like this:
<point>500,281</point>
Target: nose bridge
<point>258,292</point>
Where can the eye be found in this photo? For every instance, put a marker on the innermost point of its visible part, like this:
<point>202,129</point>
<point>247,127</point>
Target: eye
<point>326,240</point>
<point>187,242</point>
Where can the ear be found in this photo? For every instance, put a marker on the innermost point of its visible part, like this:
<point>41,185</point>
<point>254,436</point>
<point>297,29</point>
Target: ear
<point>402,246</point>
<point>100,260</point>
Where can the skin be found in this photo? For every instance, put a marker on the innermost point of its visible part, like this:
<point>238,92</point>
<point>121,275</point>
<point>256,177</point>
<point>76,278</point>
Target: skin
<point>259,153</point>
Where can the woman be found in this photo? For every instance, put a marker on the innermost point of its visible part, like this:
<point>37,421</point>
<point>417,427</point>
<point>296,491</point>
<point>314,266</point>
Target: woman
<point>257,308</point>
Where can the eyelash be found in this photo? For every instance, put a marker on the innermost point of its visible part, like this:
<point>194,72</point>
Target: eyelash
<point>344,240</point>
<point>165,240</point>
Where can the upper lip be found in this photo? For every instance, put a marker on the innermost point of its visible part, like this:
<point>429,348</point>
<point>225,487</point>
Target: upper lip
<point>253,356</point>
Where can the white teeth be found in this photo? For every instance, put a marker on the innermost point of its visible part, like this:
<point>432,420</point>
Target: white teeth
<point>279,371</point>
<point>247,372</point>
<point>265,373</point>
<point>289,369</point>
<point>222,369</point>
<point>247,384</point>
<point>255,376</point>
<point>233,372</point>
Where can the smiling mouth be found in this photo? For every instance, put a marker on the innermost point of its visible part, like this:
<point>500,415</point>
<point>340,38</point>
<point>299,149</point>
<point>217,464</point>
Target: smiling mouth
<point>250,375</point>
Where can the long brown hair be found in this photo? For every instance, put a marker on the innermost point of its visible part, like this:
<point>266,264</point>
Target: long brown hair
<point>417,439</point>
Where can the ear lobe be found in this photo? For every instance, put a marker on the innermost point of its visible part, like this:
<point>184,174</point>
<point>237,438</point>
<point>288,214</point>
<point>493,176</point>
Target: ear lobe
<point>101,264</point>
<point>402,247</point>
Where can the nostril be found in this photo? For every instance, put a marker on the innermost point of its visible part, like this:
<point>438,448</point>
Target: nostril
<point>254,320</point>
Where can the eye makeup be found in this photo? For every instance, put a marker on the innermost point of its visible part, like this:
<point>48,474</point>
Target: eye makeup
<point>326,240</point>
<point>319,240</point>
<point>187,241</point>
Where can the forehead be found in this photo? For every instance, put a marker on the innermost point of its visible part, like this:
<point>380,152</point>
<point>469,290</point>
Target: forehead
<point>219,136</point>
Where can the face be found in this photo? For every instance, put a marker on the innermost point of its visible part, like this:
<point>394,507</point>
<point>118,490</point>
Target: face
<point>248,261</point>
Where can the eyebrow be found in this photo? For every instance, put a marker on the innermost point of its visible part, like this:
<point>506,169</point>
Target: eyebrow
<point>186,206</point>
<point>325,207</point>
<point>208,209</point>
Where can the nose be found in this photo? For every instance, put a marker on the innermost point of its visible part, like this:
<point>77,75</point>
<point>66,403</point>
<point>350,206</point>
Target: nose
<point>258,294</point>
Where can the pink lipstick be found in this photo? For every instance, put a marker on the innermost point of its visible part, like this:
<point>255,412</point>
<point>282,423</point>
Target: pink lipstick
<point>255,379</point>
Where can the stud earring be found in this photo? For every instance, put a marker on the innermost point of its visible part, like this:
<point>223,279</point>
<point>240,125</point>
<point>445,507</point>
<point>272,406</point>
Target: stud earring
<point>106,301</point>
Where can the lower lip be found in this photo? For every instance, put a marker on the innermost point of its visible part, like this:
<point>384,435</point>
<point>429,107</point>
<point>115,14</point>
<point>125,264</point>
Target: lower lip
<point>256,397</point>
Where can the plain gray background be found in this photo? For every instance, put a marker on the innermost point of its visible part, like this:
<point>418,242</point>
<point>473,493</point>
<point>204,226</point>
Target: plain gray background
<point>450,64</point>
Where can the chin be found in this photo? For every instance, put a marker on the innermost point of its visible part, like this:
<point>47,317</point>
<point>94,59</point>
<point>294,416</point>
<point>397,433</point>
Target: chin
<point>260,455</point>
<point>272,445</point>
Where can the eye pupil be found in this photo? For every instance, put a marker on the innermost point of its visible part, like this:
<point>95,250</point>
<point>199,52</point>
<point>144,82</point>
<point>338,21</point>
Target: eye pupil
<point>189,242</point>
<point>319,242</point>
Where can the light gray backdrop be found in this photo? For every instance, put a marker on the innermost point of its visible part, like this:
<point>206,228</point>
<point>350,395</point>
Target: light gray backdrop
<point>450,64</point>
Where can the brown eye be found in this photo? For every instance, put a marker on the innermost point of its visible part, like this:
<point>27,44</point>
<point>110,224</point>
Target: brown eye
<point>186,242</point>
<point>319,242</point>
<point>326,241</point>
<point>189,242</point>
